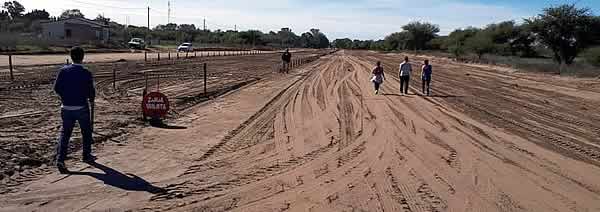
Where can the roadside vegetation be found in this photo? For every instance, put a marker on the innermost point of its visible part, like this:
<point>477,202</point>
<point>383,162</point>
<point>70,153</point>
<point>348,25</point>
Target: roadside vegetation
<point>562,39</point>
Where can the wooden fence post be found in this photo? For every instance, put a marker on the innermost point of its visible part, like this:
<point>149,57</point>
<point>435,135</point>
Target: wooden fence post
<point>169,55</point>
<point>145,56</point>
<point>10,65</point>
<point>205,78</point>
<point>158,56</point>
<point>114,77</point>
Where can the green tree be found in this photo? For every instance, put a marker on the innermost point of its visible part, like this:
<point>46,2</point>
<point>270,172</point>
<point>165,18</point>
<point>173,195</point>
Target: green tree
<point>102,19</point>
<point>167,27</point>
<point>287,37</point>
<point>14,8</point>
<point>37,15</point>
<point>323,41</point>
<point>397,41</point>
<point>378,45</point>
<point>421,33</point>
<point>592,56</point>
<point>232,37</point>
<point>305,40</point>
<point>480,44</point>
<point>4,15</point>
<point>565,29</point>
<point>522,43</point>
<point>137,32</point>
<point>438,43</point>
<point>252,37</point>
<point>457,39</point>
<point>71,13</point>
<point>345,43</point>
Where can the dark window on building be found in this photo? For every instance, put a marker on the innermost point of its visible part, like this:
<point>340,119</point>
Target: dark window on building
<point>68,33</point>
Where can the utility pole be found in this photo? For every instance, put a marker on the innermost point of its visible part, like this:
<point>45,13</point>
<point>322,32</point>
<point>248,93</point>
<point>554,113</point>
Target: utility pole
<point>235,28</point>
<point>148,35</point>
<point>205,24</point>
<point>169,14</point>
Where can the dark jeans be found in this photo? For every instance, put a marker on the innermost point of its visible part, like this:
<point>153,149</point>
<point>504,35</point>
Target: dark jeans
<point>286,67</point>
<point>69,118</point>
<point>404,80</point>
<point>376,85</point>
<point>426,83</point>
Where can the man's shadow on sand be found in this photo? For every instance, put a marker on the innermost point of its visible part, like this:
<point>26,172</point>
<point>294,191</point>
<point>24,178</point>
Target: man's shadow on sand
<point>129,182</point>
<point>421,95</point>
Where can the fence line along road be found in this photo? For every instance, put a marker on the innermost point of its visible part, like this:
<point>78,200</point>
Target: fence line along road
<point>114,70</point>
<point>58,59</point>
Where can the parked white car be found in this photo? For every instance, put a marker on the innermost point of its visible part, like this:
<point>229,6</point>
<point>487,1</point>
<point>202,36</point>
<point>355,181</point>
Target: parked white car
<point>137,43</point>
<point>185,47</point>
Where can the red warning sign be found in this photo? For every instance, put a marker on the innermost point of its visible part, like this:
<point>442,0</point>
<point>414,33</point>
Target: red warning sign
<point>155,105</point>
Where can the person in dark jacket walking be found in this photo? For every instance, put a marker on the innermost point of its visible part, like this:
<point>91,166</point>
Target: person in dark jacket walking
<point>286,57</point>
<point>426,71</point>
<point>75,87</point>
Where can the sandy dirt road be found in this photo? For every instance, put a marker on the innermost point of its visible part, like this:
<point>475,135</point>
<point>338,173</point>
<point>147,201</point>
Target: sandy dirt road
<point>320,140</point>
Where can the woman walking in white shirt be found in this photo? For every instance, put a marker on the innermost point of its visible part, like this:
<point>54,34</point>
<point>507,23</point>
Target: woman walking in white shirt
<point>405,69</point>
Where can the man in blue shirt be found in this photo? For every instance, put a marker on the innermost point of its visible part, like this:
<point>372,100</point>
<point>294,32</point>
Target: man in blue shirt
<point>426,77</point>
<point>75,87</point>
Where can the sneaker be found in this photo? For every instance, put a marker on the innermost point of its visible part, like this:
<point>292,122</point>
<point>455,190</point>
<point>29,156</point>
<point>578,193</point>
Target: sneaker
<point>62,168</point>
<point>89,159</point>
<point>376,92</point>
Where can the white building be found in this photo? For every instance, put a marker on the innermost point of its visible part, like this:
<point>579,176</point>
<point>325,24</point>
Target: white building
<point>75,30</point>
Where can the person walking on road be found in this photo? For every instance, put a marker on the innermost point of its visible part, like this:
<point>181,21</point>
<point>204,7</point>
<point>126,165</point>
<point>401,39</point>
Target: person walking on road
<point>378,77</point>
<point>405,69</point>
<point>286,57</point>
<point>426,77</point>
<point>75,86</point>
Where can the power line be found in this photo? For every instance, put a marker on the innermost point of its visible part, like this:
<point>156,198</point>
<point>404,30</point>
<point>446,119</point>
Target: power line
<point>107,6</point>
<point>118,12</point>
<point>160,11</point>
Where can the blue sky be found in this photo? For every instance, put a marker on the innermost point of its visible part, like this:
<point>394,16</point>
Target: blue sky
<point>362,19</point>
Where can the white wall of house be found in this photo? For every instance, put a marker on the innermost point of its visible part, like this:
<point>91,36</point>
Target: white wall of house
<point>54,30</point>
<point>76,30</point>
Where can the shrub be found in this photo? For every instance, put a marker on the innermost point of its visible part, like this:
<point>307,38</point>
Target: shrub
<point>592,56</point>
<point>8,41</point>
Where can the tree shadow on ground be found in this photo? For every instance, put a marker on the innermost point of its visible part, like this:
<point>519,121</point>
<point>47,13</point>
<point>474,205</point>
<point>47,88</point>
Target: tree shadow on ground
<point>399,95</point>
<point>445,96</point>
<point>410,95</point>
<point>129,182</point>
<point>161,124</point>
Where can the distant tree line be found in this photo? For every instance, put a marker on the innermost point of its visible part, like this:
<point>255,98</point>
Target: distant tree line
<point>564,31</point>
<point>14,20</point>
<point>284,38</point>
